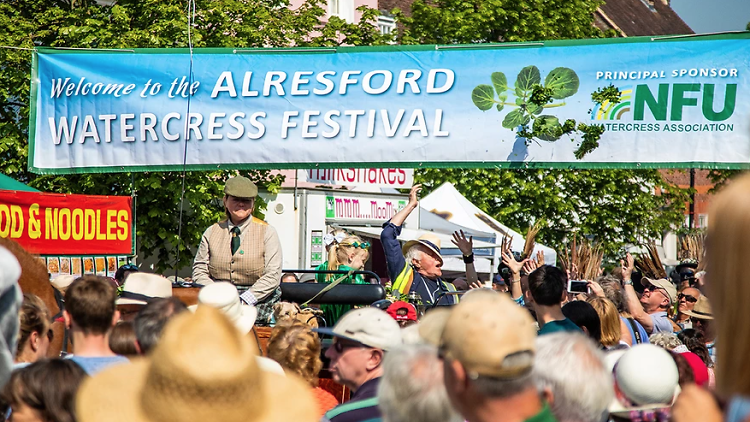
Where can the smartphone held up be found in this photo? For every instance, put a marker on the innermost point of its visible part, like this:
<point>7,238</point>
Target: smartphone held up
<point>578,286</point>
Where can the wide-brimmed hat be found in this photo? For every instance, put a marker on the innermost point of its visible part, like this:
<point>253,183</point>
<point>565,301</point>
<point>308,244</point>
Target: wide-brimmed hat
<point>432,324</point>
<point>482,332</point>
<point>62,282</point>
<point>240,187</point>
<point>369,326</point>
<point>663,284</point>
<point>647,377</point>
<point>701,310</point>
<point>428,240</point>
<point>139,288</point>
<point>202,369</point>
<point>224,297</point>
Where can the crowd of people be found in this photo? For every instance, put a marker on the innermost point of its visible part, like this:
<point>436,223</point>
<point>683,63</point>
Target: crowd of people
<point>631,348</point>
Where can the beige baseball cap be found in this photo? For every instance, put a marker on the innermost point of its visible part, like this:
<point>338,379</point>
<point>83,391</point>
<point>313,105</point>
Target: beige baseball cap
<point>663,284</point>
<point>483,332</point>
<point>370,326</point>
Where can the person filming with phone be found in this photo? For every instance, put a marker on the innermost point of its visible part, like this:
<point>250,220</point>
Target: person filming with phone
<point>548,287</point>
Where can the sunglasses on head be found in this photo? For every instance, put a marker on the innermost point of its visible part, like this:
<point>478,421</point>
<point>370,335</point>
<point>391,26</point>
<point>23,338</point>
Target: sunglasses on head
<point>128,267</point>
<point>686,297</point>
<point>362,245</point>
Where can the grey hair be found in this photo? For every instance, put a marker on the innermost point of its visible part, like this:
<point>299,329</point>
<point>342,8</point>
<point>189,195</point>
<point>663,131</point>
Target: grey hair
<point>501,388</point>
<point>151,320</point>
<point>665,340</point>
<point>611,286</point>
<point>572,368</point>
<point>414,252</point>
<point>412,388</point>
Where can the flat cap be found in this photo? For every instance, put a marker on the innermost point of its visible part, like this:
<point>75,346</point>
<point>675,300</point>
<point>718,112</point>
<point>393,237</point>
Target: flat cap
<point>240,187</point>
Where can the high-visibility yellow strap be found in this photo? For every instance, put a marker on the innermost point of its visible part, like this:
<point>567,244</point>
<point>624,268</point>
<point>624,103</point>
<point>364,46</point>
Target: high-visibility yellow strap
<point>404,279</point>
<point>451,288</point>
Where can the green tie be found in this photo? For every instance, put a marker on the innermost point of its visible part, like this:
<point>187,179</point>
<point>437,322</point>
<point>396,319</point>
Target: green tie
<point>235,239</point>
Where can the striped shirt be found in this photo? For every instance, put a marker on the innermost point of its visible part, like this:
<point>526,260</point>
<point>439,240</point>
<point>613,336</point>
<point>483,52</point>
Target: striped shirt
<point>363,406</point>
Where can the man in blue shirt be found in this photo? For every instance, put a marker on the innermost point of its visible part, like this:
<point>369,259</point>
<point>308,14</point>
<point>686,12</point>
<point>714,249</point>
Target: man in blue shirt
<point>417,266</point>
<point>361,338</point>
<point>90,314</point>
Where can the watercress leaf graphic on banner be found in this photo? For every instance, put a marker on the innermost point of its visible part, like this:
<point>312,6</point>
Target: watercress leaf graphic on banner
<point>520,101</point>
<point>483,97</point>
<point>563,82</point>
<point>527,78</point>
<point>500,82</point>
<point>534,108</point>
<point>500,107</point>
<point>521,94</point>
<point>515,118</point>
<point>547,128</point>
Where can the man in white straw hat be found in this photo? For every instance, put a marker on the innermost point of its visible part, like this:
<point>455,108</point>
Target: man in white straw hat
<point>360,340</point>
<point>417,266</point>
<point>201,370</point>
<point>224,297</point>
<point>139,289</point>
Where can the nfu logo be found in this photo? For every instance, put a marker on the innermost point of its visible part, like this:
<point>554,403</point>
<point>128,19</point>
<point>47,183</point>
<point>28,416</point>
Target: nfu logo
<point>669,102</point>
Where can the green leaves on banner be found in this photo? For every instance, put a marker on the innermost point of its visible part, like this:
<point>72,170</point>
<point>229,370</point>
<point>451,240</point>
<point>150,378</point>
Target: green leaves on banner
<point>483,97</point>
<point>532,97</point>
<point>527,78</point>
<point>515,118</point>
<point>563,82</point>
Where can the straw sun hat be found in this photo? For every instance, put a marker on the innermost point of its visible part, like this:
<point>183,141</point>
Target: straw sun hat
<point>202,370</point>
<point>429,241</point>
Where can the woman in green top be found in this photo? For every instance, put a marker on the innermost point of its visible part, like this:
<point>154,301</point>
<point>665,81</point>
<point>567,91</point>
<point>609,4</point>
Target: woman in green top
<point>349,253</point>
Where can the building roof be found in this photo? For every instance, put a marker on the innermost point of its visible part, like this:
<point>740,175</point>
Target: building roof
<point>641,18</point>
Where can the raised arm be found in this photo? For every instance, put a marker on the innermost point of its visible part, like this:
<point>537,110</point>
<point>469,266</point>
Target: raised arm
<point>399,218</point>
<point>631,297</point>
<point>389,236</point>
<point>515,270</point>
<point>466,246</point>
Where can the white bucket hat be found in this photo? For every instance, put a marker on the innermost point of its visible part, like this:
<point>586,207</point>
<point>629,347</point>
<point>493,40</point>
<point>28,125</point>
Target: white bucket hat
<point>647,377</point>
<point>224,297</point>
<point>140,287</point>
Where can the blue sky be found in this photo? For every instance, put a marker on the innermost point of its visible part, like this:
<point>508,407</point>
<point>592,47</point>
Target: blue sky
<point>713,15</point>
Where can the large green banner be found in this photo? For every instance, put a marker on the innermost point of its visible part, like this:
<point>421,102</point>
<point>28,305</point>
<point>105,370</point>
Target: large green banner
<point>684,103</point>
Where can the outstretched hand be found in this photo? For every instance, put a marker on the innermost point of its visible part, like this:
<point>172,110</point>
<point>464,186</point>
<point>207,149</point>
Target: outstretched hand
<point>510,261</point>
<point>628,266</point>
<point>414,195</point>
<point>462,243</point>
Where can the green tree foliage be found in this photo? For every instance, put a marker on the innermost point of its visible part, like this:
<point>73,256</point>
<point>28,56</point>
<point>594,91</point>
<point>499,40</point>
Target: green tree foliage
<point>613,206</point>
<point>616,207</point>
<point>466,22</point>
<point>151,23</point>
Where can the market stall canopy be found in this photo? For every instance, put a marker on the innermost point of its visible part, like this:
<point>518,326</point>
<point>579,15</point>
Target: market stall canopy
<point>7,183</point>
<point>449,204</point>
